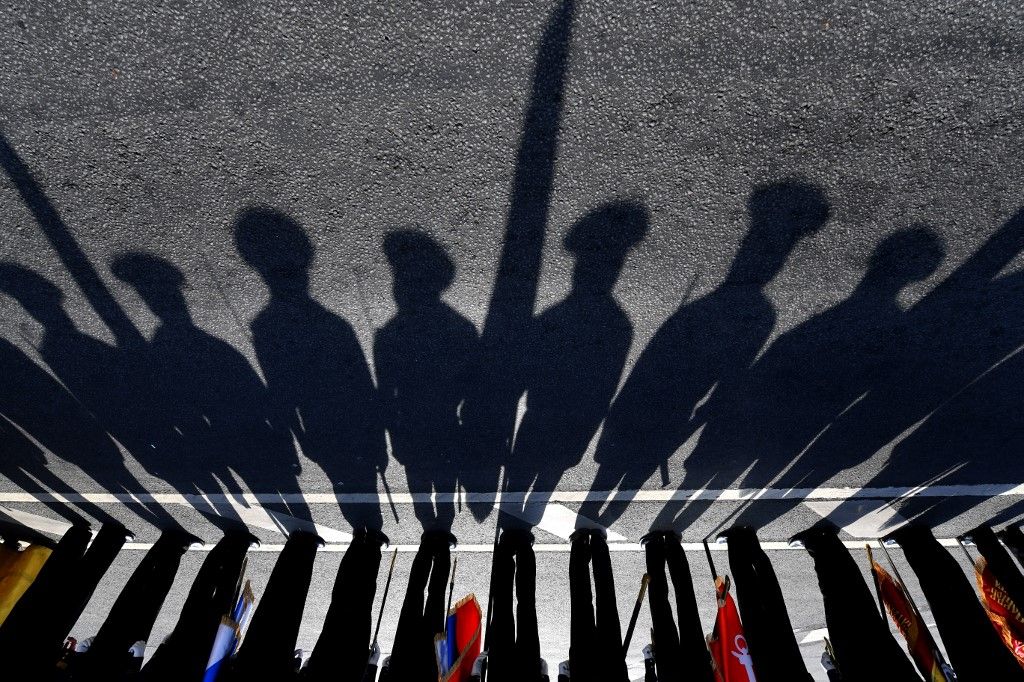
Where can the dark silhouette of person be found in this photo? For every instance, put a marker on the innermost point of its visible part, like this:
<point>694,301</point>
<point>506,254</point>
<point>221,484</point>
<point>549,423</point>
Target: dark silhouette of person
<point>340,652</point>
<point>491,407</point>
<point>703,349</point>
<point>33,633</point>
<point>184,653</point>
<point>513,644</point>
<point>134,612</point>
<point>766,624</point>
<point>93,400</point>
<point>422,618</point>
<point>576,350</point>
<point>268,649</point>
<point>424,359</point>
<point>975,649</point>
<point>39,418</point>
<point>943,403</point>
<point>950,406</point>
<point>861,639</point>
<point>99,376</point>
<point>814,373</point>
<point>318,379</point>
<point>595,636</point>
<point>206,413</point>
<point>682,648</point>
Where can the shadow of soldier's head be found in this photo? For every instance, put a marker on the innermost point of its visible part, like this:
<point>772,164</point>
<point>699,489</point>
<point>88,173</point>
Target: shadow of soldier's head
<point>420,267</point>
<point>276,247</point>
<point>600,241</point>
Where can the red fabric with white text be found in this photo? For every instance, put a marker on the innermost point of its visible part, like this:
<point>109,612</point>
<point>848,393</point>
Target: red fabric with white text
<point>727,644</point>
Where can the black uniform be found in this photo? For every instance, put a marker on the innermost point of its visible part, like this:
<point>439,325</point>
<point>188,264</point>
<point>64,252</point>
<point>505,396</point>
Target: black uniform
<point>185,652</point>
<point>512,641</point>
<point>268,649</point>
<point>861,639</point>
<point>974,648</point>
<point>681,652</point>
<point>133,614</point>
<point>766,623</point>
<point>32,637</point>
<point>595,644</point>
<point>341,652</point>
<point>413,658</point>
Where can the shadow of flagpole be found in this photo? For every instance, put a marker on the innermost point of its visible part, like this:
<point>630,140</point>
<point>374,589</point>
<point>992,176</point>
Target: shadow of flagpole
<point>67,248</point>
<point>491,420</point>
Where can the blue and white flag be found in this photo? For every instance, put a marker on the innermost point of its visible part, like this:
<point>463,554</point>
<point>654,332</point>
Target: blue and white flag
<point>229,633</point>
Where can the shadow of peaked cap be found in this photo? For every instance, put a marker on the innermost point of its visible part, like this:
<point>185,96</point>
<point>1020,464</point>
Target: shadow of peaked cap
<point>147,273</point>
<point>614,227</point>
<point>272,242</point>
<point>417,258</point>
<point>913,253</point>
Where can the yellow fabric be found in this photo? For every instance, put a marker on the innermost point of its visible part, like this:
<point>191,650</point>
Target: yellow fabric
<point>17,573</point>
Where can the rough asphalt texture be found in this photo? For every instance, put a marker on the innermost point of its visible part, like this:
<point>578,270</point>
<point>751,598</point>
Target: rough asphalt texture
<point>862,162</point>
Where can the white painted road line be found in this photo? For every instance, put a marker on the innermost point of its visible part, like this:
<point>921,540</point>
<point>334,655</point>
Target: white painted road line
<point>554,548</point>
<point>859,518</point>
<point>816,635</point>
<point>558,496</point>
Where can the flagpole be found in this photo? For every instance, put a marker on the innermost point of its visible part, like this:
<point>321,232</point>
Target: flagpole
<point>970,561</point>
<point>906,590</point>
<point>636,614</point>
<point>240,582</point>
<point>878,586</point>
<point>711,562</point>
<point>384,599</point>
<point>502,483</point>
<point>451,591</point>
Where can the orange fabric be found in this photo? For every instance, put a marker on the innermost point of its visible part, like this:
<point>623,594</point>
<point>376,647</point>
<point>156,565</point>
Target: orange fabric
<point>920,643</point>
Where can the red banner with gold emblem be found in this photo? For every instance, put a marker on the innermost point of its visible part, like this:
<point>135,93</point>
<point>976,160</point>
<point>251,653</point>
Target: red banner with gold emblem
<point>1004,614</point>
<point>922,646</point>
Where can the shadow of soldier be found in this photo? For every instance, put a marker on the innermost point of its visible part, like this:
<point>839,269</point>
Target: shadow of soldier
<point>424,359</point>
<point>319,384</point>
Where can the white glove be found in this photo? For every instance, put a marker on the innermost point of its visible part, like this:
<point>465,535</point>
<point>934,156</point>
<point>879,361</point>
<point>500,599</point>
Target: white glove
<point>84,644</point>
<point>563,668</point>
<point>648,652</point>
<point>374,654</point>
<point>138,649</point>
<point>543,668</point>
<point>478,664</point>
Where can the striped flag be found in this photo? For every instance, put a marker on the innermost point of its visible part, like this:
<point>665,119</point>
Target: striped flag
<point>229,633</point>
<point>458,647</point>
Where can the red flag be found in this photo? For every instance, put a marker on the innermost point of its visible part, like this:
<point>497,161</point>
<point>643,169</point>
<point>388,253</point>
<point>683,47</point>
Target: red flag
<point>1004,614</point>
<point>920,643</point>
<point>728,646</point>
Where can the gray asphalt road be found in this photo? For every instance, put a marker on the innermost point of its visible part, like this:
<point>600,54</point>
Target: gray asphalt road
<point>712,246</point>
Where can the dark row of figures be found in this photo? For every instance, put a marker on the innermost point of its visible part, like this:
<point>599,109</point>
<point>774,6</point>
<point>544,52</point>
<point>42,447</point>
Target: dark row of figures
<point>760,642</point>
